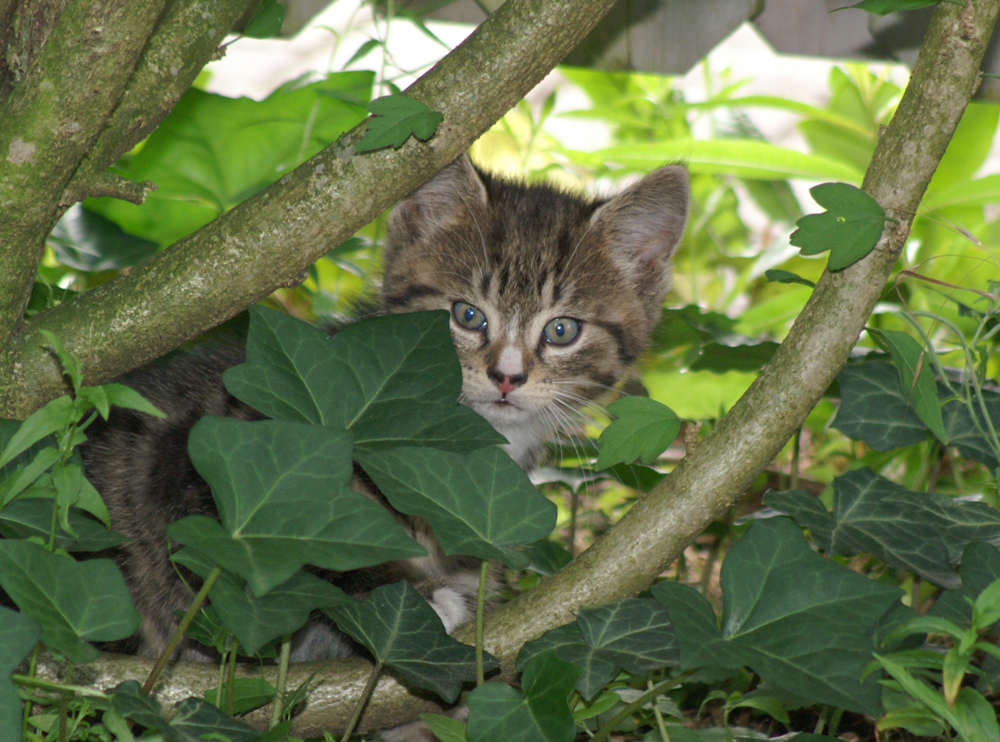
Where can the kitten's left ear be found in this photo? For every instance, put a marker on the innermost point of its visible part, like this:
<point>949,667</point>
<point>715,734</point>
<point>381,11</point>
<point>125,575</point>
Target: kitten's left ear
<point>647,219</point>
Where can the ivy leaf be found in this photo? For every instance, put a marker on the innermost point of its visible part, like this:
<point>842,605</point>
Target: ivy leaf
<point>392,381</point>
<point>283,496</point>
<point>884,7</point>
<point>915,376</point>
<point>55,415</point>
<point>644,429</point>
<point>480,504</point>
<point>633,634</point>
<point>18,634</point>
<point>32,517</point>
<point>539,712</point>
<point>74,602</point>
<point>401,629</point>
<point>255,621</point>
<point>397,117</point>
<point>719,358</point>
<point>832,616</point>
<point>980,567</point>
<point>874,409</point>
<point>850,227</point>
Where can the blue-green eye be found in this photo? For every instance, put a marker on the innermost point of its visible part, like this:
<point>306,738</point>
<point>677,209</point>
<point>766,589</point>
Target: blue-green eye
<point>468,316</point>
<point>561,331</point>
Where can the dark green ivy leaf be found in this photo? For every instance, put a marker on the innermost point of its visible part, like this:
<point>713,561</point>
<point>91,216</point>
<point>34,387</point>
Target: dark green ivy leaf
<point>980,567</point>
<point>396,118</point>
<point>916,377</point>
<point>874,409</point>
<point>18,634</point>
<point>811,637</point>
<point>720,359</point>
<point>633,634</point>
<point>89,241</point>
<point>919,532</point>
<point>195,721</point>
<point>644,429</point>
<point>401,629</point>
<point>480,504</point>
<point>73,602</point>
<point>850,227</point>
<point>284,500</point>
<point>539,712</point>
<point>255,621</point>
<point>392,381</point>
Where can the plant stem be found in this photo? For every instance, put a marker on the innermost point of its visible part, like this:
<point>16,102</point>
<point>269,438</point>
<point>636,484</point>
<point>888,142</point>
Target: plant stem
<point>360,706</point>
<point>231,677</point>
<point>660,725</point>
<point>279,694</point>
<point>79,690</point>
<point>480,603</point>
<point>638,703</point>
<point>196,604</point>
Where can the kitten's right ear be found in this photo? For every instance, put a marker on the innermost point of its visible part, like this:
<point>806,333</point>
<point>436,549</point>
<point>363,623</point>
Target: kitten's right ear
<point>455,195</point>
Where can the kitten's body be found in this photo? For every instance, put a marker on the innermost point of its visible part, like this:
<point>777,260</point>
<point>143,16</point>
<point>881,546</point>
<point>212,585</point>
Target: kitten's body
<point>551,297</point>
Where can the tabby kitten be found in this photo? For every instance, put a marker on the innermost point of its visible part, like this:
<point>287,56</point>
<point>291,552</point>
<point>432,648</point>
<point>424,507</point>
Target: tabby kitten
<point>551,296</point>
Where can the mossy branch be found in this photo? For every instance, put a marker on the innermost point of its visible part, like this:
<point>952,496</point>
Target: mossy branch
<point>272,238</point>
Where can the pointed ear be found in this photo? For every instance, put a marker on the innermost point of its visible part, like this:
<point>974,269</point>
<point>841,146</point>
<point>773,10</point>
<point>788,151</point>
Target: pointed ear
<point>453,196</point>
<point>645,221</point>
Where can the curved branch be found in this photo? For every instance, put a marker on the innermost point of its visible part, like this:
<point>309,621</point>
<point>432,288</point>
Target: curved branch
<point>275,236</point>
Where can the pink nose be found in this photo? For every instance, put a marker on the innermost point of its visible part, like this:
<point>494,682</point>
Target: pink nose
<point>506,384</point>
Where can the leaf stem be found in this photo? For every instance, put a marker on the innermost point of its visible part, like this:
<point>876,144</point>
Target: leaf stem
<point>480,603</point>
<point>279,695</point>
<point>182,627</point>
<point>231,678</point>
<point>360,706</point>
<point>638,703</point>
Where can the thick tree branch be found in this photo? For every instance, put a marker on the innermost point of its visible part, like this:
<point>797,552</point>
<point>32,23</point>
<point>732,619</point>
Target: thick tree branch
<point>50,121</point>
<point>272,238</point>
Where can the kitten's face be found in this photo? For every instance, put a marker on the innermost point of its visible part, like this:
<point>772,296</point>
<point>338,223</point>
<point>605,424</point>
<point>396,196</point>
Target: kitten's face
<point>550,296</point>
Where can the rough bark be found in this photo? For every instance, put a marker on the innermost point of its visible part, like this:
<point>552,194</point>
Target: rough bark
<point>88,82</point>
<point>270,240</point>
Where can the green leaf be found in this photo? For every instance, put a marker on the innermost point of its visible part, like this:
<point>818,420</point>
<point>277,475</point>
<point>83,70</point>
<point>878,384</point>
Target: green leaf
<point>392,381</point>
<point>213,152</point>
<point>719,358</point>
<point>884,7</point>
<point>194,721</point>
<point>832,617</point>
<point>267,21</point>
<point>21,479</point>
<point>74,489</point>
<point>397,117</point>
<point>979,568</point>
<point>284,500</point>
<point>644,429</point>
<point>18,634</point>
<point>780,276</point>
<point>54,416</point>
<point>73,602</point>
<point>539,712</point>
<point>918,532</point>
<point>248,694</point>
<point>445,728</point>
<point>127,397</point>
<point>480,504</point>
<point>32,517</point>
<point>850,227</point>
<point>70,365</point>
<point>401,629</point>
<point>87,241</point>
<point>132,702</point>
<point>633,634</point>
<point>916,377</point>
<point>741,158</point>
<point>255,621</point>
<point>547,557</point>
<point>874,409</point>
